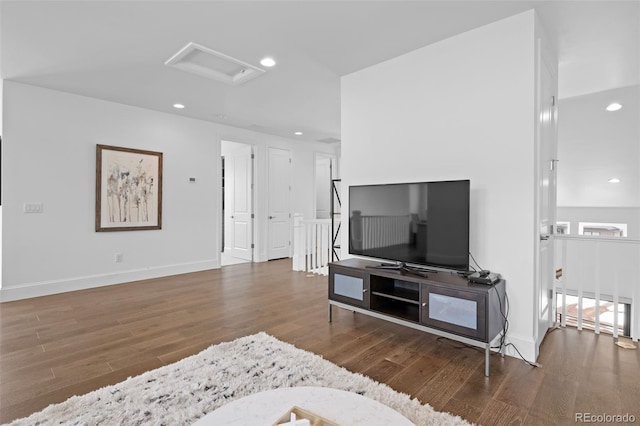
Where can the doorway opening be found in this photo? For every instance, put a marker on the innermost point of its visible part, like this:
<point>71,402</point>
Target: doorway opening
<point>237,164</point>
<point>279,203</point>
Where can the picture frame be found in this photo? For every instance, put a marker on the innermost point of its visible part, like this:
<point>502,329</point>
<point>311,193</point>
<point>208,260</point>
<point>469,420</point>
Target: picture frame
<point>128,189</point>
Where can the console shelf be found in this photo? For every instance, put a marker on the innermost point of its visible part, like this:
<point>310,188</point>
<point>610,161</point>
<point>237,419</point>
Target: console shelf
<point>441,303</point>
<point>408,312</point>
<point>394,297</point>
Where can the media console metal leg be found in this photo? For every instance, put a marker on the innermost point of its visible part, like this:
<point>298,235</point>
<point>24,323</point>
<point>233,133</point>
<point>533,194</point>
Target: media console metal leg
<point>487,359</point>
<point>329,312</point>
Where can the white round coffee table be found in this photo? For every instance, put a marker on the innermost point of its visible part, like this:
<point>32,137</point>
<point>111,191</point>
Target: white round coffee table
<point>341,407</point>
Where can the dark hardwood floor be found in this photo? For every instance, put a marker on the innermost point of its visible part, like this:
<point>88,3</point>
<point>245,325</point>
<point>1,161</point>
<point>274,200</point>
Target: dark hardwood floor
<point>57,346</point>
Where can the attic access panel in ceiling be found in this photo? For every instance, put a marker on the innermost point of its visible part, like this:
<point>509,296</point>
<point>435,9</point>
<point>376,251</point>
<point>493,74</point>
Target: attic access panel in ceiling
<point>205,62</point>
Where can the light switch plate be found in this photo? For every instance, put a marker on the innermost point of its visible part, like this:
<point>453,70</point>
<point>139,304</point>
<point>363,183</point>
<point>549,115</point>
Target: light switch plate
<point>33,207</point>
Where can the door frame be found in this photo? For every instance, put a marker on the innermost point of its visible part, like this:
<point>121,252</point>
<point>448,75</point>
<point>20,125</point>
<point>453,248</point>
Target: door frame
<point>254,199</point>
<point>269,236</point>
<point>332,160</point>
<point>543,280</point>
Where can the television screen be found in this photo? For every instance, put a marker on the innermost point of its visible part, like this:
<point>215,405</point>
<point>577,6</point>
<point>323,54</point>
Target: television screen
<point>424,223</point>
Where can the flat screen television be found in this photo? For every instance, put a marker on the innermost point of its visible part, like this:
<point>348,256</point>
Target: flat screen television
<point>419,224</point>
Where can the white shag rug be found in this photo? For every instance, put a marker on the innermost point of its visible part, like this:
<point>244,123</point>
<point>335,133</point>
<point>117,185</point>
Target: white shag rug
<point>182,392</point>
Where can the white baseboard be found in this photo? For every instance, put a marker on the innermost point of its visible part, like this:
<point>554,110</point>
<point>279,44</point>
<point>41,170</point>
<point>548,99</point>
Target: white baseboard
<point>46,288</point>
<point>526,347</point>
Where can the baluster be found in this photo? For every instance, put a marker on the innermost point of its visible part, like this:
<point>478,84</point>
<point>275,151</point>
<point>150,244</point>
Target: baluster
<point>597,289</point>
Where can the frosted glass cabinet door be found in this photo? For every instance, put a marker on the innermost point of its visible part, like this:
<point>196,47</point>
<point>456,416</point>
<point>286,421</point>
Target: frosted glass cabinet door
<point>454,310</point>
<point>349,287</point>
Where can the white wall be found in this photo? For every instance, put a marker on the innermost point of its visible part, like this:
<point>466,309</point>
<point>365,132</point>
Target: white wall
<point>462,108</point>
<point>49,144</point>
<point>595,145</point>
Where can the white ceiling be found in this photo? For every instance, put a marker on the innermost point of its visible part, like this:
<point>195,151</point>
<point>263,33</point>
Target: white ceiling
<point>115,50</point>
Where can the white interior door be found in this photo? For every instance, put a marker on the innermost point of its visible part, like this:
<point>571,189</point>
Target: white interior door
<point>238,201</point>
<point>547,165</point>
<point>279,230</point>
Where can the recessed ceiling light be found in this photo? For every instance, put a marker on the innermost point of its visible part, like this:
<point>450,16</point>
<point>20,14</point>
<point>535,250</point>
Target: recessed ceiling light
<point>267,62</point>
<point>614,106</point>
<point>614,180</point>
<point>178,106</point>
<point>298,133</point>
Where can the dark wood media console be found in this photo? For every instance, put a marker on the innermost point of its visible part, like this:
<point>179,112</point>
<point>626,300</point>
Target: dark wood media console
<point>442,303</point>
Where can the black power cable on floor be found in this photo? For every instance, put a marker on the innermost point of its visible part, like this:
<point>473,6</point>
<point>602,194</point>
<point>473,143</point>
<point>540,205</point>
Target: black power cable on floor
<point>503,342</point>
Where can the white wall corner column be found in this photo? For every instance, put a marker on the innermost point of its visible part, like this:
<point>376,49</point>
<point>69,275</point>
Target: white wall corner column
<point>463,112</point>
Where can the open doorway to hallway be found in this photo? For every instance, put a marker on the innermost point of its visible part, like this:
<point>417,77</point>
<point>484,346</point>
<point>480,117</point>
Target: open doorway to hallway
<point>598,227</point>
<point>237,203</point>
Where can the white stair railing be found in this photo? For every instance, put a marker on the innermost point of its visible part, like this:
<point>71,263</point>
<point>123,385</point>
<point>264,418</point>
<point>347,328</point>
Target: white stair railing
<point>311,245</point>
<point>599,268</point>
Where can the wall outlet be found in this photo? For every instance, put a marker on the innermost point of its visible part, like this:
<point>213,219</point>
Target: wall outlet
<point>119,257</point>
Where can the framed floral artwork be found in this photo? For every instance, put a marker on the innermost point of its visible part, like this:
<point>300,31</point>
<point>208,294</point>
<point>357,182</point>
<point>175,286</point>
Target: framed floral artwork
<point>128,189</point>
